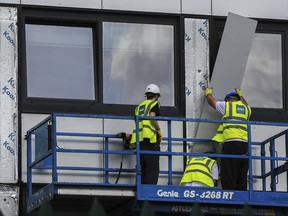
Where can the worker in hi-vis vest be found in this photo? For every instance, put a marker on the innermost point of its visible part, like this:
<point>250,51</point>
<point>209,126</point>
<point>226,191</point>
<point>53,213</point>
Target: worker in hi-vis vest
<point>200,171</point>
<point>150,135</point>
<point>234,138</point>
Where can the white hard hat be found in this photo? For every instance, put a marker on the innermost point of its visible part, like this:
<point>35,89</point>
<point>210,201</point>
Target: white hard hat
<point>152,88</point>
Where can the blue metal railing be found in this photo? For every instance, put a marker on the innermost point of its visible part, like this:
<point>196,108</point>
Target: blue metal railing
<point>148,192</point>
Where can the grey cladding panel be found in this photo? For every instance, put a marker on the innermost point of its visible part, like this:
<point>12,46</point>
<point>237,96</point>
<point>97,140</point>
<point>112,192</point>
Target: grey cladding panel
<point>232,55</point>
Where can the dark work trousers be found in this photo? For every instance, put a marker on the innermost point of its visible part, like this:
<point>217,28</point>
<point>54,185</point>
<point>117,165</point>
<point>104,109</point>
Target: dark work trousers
<point>234,170</point>
<point>149,162</point>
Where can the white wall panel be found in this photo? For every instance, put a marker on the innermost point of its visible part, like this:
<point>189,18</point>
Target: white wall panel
<point>96,126</point>
<point>256,8</point>
<point>93,4</point>
<point>10,1</point>
<point>71,125</point>
<point>129,161</point>
<point>202,7</point>
<point>165,6</point>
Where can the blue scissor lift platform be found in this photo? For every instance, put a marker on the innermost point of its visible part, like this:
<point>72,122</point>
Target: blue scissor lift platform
<point>43,153</point>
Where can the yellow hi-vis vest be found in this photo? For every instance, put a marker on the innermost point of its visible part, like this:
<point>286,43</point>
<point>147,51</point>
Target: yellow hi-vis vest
<point>146,128</point>
<point>234,111</point>
<point>199,169</point>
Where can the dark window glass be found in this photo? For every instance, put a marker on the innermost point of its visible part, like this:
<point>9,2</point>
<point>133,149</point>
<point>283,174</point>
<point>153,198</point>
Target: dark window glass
<point>135,55</point>
<point>59,62</point>
<point>262,81</point>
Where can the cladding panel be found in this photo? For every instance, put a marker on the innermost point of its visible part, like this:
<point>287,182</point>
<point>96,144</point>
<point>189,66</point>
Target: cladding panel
<point>162,6</point>
<point>256,8</point>
<point>92,4</point>
<point>196,7</point>
<point>10,1</point>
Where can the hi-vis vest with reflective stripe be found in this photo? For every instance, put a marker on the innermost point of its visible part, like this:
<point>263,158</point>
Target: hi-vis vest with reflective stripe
<point>236,111</point>
<point>199,169</point>
<point>146,128</point>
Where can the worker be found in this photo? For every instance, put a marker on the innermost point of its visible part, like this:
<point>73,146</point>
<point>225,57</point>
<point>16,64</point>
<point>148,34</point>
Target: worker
<point>200,171</point>
<point>150,135</point>
<point>234,138</point>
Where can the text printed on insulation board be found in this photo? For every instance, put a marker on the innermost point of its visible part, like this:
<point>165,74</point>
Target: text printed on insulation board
<point>7,34</point>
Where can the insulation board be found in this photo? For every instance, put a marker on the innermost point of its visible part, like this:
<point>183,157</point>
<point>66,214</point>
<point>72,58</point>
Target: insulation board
<point>8,96</point>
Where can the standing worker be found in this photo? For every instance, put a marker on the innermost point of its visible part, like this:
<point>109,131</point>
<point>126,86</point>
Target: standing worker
<point>200,171</point>
<point>234,138</point>
<point>150,135</point>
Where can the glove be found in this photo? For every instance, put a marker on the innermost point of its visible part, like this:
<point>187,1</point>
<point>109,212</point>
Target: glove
<point>159,136</point>
<point>208,91</point>
<point>239,92</point>
<point>125,139</point>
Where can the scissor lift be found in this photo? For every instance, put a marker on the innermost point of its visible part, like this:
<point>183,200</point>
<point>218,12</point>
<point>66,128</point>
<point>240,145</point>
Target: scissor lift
<point>165,198</point>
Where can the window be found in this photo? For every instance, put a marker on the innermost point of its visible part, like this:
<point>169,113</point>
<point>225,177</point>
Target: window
<point>135,55</point>
<point>80,61</point>
<point>262,79</point>
<point>59,62</point>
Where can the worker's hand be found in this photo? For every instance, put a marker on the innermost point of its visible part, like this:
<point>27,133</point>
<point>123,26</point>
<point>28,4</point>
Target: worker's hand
<point>239,92</point>
<point>208,91</point>
<point>159,136</point>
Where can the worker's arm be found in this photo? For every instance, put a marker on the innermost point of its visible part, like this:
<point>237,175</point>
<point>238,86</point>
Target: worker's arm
<point>155,122</point>
<point>239,92</point>
<point>210,99</point>
<point>157,127</point>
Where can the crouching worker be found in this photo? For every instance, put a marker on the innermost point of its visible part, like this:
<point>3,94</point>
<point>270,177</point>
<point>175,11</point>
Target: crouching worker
<point>200,171</point>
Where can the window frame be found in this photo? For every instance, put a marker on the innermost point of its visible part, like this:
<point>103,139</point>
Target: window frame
<point>94,19</point>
